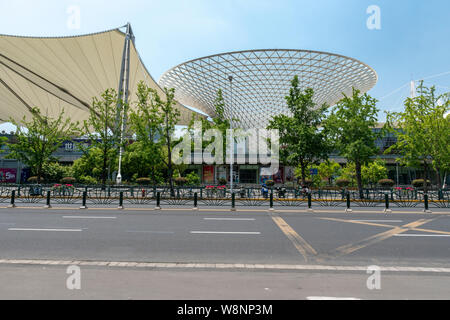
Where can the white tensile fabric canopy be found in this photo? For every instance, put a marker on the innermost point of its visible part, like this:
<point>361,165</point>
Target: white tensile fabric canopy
<point>66,73</point>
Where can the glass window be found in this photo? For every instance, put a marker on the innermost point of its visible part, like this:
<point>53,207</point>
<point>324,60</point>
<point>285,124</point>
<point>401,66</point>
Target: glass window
<point>248,175</point>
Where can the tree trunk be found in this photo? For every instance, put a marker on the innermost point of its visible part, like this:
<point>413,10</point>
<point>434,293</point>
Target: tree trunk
<point>105,160</point>
<point>359,179</point>
<point>39,174</point>
<point>169,162</point>
<point>425,183</point>
<point>439,179</point>
<point>303,174</point>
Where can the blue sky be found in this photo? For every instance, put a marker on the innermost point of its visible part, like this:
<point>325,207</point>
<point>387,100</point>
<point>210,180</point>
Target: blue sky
<point>412,43</point>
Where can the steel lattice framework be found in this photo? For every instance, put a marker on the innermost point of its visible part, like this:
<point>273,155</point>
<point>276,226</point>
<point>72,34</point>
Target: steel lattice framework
<point>262,79</point>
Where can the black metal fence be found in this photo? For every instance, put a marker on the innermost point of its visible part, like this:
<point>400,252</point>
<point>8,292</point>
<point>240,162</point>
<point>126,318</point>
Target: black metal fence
<point>217,196</point>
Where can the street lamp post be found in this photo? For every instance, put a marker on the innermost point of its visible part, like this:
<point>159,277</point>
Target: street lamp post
<point>124,82</point>
<point>230,78</point>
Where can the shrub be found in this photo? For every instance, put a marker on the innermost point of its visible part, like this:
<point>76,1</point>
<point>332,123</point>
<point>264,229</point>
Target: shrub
<point>343,183</point>
<point>420,183</point>
<point>54,172</point>
<point>88,180</point>
<point>193,179</point>
<point>386,183</point>
<point>181,181</point>
<point>143,181</point>
<point>68,180</point>
<point>32,179</point>
<point>222,181</point>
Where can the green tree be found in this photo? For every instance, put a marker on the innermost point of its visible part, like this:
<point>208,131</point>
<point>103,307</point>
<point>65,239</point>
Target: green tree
<point>302,141</point>
<point>423,132</point>
<point>138,162</point>
<point>103,129</point>
<point>39,138</point>
<point>3,143</point>
<point>90,164</point>
<point>219,122</point>
<point>144,157</point>
<point>170,115</point>
<point>351,126</point>
<point>349,173</point>
<point>193,179</point>
<point>328,170</point>
<point>55,172</point>
<point>374,172</point>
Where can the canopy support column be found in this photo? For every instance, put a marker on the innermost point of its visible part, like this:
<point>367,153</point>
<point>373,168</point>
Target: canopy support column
<point>123,95</point>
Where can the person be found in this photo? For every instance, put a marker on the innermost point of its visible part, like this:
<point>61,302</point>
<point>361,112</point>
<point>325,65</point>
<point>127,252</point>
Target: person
<point>305,190</point>
<point>265,191</point>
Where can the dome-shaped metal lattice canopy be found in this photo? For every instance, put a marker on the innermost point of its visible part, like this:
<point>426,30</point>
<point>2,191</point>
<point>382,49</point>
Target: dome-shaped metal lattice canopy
<point>261,81</point>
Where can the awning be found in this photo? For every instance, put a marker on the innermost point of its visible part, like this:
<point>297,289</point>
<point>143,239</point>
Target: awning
<point>66,73</point>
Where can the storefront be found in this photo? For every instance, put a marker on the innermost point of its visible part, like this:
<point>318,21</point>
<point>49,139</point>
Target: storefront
<point>248,174</point>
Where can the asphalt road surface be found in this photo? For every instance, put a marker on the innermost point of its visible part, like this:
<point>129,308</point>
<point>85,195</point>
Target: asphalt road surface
<point>218,254</point>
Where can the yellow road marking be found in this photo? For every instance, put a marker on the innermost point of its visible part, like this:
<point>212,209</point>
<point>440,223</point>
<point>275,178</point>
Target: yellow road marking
<point>386,225</point>
<point>431,231</point>
<point>352,247</point>
<point>300,244</point>
<point>360,222</point>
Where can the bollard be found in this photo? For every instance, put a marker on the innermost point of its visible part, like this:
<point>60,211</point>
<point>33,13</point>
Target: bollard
<point>427,207</point>
<point>349,209</point>
<point>158,201</point>
<point>121,200</point>
<point>271,201</point>
<point>48,205</point>
<point>233,202</point>
<point>83,206</point>
<point>386,200</point>
<point>13,199</point>
<point>195,201</point>
<point>310,209</point>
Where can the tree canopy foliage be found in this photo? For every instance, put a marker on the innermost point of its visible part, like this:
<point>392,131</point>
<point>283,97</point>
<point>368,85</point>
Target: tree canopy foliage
<point>350,126</point>
<point>39,138</point>
<point>302,140</point>
<point>423,132</point>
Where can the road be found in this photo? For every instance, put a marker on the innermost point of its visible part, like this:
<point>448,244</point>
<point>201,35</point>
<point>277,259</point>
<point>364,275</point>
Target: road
<point>250,254</point>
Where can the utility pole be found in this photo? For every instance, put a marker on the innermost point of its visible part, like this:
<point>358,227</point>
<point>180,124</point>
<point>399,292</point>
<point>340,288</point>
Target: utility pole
<point>230,78</point>
<point>123,93</point>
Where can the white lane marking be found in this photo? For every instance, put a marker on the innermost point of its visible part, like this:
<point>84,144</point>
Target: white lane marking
<point>220,232</point>
<point>179,265</point>
<point>330,298</point>
<point>152,232</point>
<point>423,235</point>
<point>46,230</point>
<point>229,219</point>
<point>81,217</point>
<point>396,221</point>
